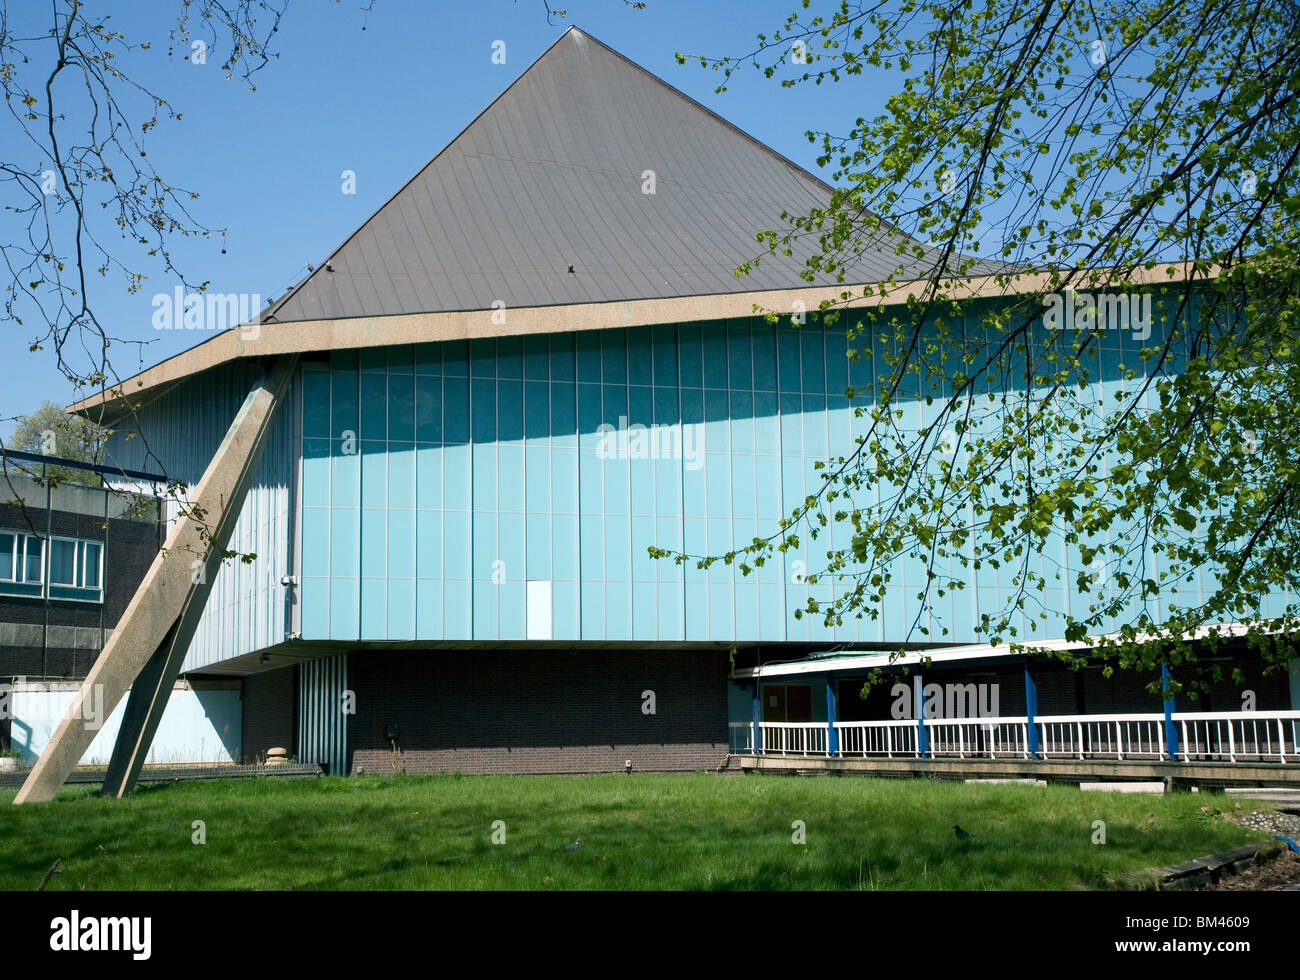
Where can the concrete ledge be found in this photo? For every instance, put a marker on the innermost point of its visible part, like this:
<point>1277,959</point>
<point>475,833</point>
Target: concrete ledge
<point>1208,870</point>
<point>60,637</point>
<point>1173,774</point>
<point>172,774</point>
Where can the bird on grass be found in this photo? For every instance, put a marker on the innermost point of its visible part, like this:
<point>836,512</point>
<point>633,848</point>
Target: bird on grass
<point>1289,843</point>
<point>962,834</point>
<point>573,846</point>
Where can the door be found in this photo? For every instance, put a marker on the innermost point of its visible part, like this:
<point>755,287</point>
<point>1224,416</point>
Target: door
<point>790,703</point>
<point>774,702</point>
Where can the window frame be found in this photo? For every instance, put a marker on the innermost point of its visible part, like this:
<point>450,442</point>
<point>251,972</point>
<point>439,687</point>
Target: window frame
<point>93,594</point>
<point>14,581</point>
<point>99,565</point>
<point>10,577</point>
<point>49,571</point>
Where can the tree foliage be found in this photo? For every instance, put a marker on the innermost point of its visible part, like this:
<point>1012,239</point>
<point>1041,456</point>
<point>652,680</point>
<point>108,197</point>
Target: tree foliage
<point>49,431</point>
<point>1144,150</point>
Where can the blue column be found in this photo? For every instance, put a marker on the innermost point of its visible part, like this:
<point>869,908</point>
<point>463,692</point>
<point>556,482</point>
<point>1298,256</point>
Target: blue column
<point>1031,712</point>
<point>756,732</point>
<point>922,739</point>
<point>832,716</point>
<point>1171,730</point>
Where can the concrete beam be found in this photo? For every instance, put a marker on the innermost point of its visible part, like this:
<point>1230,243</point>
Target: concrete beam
<point>291,337</point>
<point>1052,770</point>
<point>154,632</point>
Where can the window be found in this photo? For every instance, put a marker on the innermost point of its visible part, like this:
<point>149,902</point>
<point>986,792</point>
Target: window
<point>92,562</point>
<point>75,567</point>
<point>63,562</point>
<point>22,558</point>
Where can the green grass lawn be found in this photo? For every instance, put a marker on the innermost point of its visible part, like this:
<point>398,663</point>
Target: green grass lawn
<point>644,831</point>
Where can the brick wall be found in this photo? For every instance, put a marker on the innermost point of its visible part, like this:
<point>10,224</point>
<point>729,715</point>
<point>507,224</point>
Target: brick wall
<point>1057,690</point>
<point>529,711</point>
<point>129,549</point>
<point>270,712</point>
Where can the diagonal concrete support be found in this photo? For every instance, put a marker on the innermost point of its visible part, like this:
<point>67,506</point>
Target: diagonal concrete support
<point>149,643</point>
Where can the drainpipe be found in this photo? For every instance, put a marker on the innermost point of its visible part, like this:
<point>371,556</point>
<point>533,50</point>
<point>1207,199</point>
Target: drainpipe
<point>46,556</point>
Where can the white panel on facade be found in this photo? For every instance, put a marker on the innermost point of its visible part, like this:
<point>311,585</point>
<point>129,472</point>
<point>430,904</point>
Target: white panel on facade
<point>539,610</point>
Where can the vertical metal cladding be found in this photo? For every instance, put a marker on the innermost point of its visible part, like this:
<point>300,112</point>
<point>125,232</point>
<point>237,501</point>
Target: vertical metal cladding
<point>322,724</point>
<point>177,434</point>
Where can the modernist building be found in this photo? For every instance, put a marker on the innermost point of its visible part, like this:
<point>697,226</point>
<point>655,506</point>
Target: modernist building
<point>528,366</point>
<point>71,557</point>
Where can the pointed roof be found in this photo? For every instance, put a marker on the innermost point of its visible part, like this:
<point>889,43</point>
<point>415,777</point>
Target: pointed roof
<point>552,175</point>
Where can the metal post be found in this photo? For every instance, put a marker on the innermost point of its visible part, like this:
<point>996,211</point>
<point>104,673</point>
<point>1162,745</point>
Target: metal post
<point>832,716</point>
<point>1031,711</point>
<point>1171,730</point>
<point>922,738</point>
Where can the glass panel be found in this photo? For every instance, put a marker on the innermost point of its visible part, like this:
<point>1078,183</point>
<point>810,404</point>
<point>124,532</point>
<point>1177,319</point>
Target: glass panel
<point>63,562</point>
<point>93,552</point>
<point>32,564</point>
<point>7,542</point>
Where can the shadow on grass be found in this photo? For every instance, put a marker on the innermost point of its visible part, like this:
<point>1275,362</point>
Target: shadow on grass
<point>647,832</point>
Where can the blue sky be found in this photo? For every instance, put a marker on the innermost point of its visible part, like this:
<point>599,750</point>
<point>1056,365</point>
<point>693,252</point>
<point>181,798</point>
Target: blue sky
<point>381,102</point>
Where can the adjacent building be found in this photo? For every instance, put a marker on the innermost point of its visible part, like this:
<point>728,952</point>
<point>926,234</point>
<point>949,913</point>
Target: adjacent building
<point>71,557</point>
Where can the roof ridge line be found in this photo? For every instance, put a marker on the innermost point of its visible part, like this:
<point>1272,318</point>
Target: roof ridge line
<point>802,171</point>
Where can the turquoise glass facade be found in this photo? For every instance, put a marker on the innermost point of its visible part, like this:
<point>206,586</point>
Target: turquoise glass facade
<point>439,480</point>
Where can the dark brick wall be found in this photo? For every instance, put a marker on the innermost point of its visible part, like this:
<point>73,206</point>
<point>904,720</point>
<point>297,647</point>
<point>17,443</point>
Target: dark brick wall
<point>525,711</point>
<point>879,704</point>
<point>129,548</point>
<point>128,552</point>
<point>54,663</point>
<point>1272,691</point>
<point>270,712</point>
<point>1124,692</point>
<point>1057,690</point>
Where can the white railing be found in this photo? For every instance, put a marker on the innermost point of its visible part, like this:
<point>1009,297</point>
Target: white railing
<point>887,738</point>
<point>1232,736</point>
<point>1257,736</point>
<point>793,738</point>
<point>991,738</point>
<point>1115,737</point>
